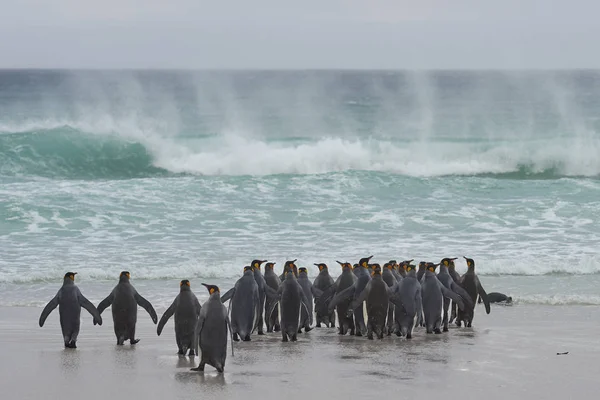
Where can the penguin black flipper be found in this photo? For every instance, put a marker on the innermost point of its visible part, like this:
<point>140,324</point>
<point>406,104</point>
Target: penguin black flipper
<point>197,332</point>
<point>419,306</point>
<point>316,292</point>
<point>304,303</point>
<point>230,332</point>
<point>462,293</point>
<point>361,297</point>
<point>345,294</point>
<point>269,291</point>
<point>52,304</point>
<point>483,296</point>
<point>105,303</point>
<point>165,317</point>
<point>85,303</point>
<point>145,304</point>
<point>452,296</point>
<point>198,306</point>
<point>228,295</point>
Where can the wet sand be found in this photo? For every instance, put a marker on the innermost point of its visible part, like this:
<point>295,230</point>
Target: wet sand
<point>511,352</point>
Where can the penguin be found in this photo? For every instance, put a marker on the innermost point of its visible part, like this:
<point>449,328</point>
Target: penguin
<point>260,281</point>
<point>124,300</point>
<point>210,333</point>
<point>376,294</point>
<point>407,300</point>
<point>390,279</point>
<point>306,315</point>
<point>292,298</point>
<point>364,277</point>
<point>403,266</point>
<point>470,282</point>
<point>323,281</point>
<point>69,300</point>
<point>456,278</point>
<point>433,292</point>
<point>244,305</point>
<point>186,308</point>
<point>446,280</point>
<point>394,269</point>
<point>345,283</point>
<point>289,266</point>
<point>421,271</point>
<point>495,297</point>
<point>273,281</point>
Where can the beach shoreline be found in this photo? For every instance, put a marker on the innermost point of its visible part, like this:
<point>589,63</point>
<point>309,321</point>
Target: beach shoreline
<point>511,352</point>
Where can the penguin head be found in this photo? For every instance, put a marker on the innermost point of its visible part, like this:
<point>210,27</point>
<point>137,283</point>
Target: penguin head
<point>422,264</point>
<point>290,266</point>
<point>404,264</point>
<point>431,266</point>
<point>212,288</point>
<point>409,267</point>
<point>375,269</point>
<point>248,268</point>
<point>451,265</point>
<point>70,276</point>
<point>257,263</point>
<point>124,276</point>
<point>302,270</point>
<point>184,284</point>
<point>344,265</point>
<point>446,261</point>
<point>393,264</point>
<point>355,266</point>
<point>364,262</point>
<point>388,266</point>
<point>321,266</point>
<point>470,263</point>
<point>269,265</point>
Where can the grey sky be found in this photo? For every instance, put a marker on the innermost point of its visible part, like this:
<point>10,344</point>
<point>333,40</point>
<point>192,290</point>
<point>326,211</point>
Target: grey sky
<point>299,34</point>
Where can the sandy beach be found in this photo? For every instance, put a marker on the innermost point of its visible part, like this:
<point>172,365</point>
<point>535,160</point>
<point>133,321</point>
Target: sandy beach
<point>510,353</point>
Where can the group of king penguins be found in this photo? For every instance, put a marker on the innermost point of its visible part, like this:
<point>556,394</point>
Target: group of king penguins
<point>398,297</point>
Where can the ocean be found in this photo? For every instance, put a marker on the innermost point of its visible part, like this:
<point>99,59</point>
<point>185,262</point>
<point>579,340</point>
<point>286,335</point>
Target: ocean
<point>192,174</point>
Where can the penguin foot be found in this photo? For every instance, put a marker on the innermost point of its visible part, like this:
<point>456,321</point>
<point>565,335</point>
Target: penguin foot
<point>318,324</point>
<point>457,323</point>
<point>220,370</point>
<point>180,352</point>
<point>294,338</point>
<point>247,338</point>
<point>236,338</point>
<point>369,336</point>
<point>133,341</point>
<point>285,339</point>
<point>300,330</point>
<point>307,329</point>
<point>437,331</point>
<point>200,368</point>
<point>261,332</point>
<point>191,353</point>
<point>445,329</point>
<point>277,328</point>
<point>409,335</point>
<point>358,333</point>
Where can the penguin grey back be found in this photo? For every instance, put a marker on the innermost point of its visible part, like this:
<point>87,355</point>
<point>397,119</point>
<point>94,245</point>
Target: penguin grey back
<point>306,314</point>
<point>244,305</point>
<point>292,297</point>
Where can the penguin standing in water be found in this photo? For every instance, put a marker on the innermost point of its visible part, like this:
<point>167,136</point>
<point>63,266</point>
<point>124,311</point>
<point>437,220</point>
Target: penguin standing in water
<point>244,305</point>
<point>273,281</point>
<point>407,299</point>
<point>186,308</point>
<point>260,281</point>
<point>345,282</point>
<point>377,296</point>
<point>470,282</point>
<point>390,280</point>
<point>124,300</point>
<point>323,281</point>
<point>364,277</point>
<point>433,292</point>
<point>446,280</point>
<point>306,314</point>
<point>69,300</point>
<point>292,299</point>
<point>210,334</point>
<point>457,279</point>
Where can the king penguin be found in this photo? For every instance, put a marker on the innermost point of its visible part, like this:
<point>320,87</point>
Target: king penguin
<point>323,281</point>
<point>273,281</point>
<point>470,282</point>
<point>186,308</point>
<point>70,300</point>
<point>244,305</point>
<point>124,300</point>
<point>210,335</point>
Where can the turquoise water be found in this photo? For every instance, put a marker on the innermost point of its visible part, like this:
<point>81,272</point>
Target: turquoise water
<point>191,175</point>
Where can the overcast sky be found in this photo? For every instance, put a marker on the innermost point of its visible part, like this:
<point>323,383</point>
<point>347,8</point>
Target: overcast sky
<point>424,34</point>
